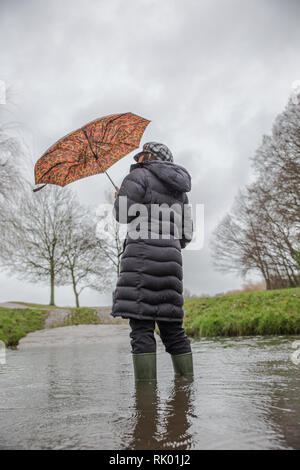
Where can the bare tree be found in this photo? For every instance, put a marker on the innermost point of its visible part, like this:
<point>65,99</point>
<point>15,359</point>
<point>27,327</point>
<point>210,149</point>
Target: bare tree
<point>279,233</point>
<point>33,245</point>
<point>277,162</point>
<point>83,260</point>
<point>13,181</point>
<point>110,235</point>
<point>237,243</point>
<point>15,170</point>
<point>262,230</point>
<point>252,238</point>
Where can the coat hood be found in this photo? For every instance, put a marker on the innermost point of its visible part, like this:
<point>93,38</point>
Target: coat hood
<point>174,176</point>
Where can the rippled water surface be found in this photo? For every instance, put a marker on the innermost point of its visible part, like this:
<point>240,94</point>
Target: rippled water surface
<point>73,388</point>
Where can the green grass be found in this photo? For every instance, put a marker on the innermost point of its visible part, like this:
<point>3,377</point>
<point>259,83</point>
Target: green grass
<point>17,323</point>
<point>88,316</point>
<point>272,312</point>
<point>81,316</point>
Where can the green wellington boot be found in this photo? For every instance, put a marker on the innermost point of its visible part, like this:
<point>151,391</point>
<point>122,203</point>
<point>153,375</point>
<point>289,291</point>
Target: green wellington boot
<point>144,366</point>
<point>183,364</point>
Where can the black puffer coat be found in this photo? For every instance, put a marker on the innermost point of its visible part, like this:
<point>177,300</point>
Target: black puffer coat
<point>150,281</point>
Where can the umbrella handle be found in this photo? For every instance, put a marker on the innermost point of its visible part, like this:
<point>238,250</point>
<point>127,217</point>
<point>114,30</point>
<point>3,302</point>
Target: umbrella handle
<point>96,156</point>
<point>111,180</point>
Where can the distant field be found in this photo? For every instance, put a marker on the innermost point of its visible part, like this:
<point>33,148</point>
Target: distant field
<point>269,312</point>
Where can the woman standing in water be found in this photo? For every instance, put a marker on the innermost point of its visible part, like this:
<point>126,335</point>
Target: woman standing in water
<point>149,288</point>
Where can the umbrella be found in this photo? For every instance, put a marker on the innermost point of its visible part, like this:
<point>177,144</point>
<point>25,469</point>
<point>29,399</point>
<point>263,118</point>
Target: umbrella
<point>90,150</point>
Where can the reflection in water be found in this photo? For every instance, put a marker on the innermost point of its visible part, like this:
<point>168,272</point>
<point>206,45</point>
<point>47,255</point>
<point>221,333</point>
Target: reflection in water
<point>179,411</point>
<point>166,428</point>
<point>145,416</point>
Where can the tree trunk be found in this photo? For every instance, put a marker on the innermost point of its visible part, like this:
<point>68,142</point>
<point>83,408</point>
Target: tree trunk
<point>52,285</point>
<point>76,297</point>
<point>268,284</point>
<point>74,288</point>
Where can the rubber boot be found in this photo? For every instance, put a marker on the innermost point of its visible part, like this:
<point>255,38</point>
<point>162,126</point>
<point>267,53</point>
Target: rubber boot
<point>144,366</point>
<point>183,364</point>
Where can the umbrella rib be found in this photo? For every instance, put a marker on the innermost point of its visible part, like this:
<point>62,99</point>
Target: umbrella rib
<point>90,145</point>
<point>93,152</point>
<point>50,169</point>
<point>96,156</point>
<point>70,168</point>
<point>112,120</point>
<point>125,143</point>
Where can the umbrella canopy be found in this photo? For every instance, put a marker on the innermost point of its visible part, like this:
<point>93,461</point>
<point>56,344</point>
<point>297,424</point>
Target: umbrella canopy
<point>90,150</point>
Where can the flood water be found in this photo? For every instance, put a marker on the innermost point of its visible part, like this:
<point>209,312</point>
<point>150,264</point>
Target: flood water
<point>73,388</point>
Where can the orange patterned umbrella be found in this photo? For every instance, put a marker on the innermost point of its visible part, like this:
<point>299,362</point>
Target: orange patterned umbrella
<point>90,150</point>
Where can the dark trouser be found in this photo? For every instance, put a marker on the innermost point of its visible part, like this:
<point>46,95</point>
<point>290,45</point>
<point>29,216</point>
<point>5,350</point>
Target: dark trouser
<point>172,335</point>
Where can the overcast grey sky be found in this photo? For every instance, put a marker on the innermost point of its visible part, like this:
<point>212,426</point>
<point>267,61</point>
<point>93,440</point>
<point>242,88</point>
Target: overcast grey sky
<point>211,76</point>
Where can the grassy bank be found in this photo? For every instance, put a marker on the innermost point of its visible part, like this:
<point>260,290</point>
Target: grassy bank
<point>274,312</point>
<point>86,316</point>
<point>16,323</point>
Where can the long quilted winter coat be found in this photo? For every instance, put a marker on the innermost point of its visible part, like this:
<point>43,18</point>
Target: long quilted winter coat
<point>150,281</point>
